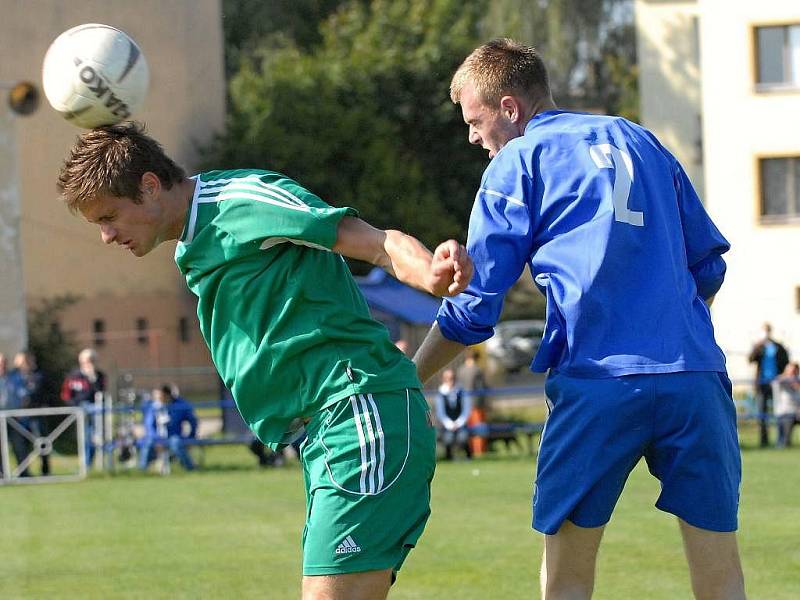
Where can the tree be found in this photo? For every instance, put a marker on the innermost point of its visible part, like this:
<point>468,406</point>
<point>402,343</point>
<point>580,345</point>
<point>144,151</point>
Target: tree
<point>364,118</point>
<point>589,47</point>
<point>252,24</point>
<point>54,349</point>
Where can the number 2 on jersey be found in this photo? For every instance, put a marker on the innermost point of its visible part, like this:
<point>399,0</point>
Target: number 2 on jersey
<point>606,156</point>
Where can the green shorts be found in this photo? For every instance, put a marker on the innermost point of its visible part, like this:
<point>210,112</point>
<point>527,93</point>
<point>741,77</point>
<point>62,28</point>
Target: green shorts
<point>368,463</point>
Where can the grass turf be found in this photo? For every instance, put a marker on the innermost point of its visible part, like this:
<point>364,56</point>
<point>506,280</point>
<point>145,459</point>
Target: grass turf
<point>234,531</point>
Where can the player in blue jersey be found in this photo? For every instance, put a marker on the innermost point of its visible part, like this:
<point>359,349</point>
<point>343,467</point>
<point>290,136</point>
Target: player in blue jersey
<point>620,245</point>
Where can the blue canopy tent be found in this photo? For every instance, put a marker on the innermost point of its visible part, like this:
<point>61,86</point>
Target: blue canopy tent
<point>401,308</point>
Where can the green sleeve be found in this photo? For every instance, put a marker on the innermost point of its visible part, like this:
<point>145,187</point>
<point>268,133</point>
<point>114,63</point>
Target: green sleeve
<point>280,209</point>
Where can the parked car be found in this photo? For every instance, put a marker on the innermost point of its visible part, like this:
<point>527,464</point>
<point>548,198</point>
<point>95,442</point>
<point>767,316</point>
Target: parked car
<point>514,343</point>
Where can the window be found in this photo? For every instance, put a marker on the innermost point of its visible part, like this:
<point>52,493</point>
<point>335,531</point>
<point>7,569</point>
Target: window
<point>778,57</point>
<point>780,188</point>
<point>183,329</point>
<point>99,332</point>
<point>797,299</point>
<point>141,330</point>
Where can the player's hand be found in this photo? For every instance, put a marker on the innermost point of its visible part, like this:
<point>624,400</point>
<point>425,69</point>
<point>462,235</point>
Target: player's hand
<point>451,269</point>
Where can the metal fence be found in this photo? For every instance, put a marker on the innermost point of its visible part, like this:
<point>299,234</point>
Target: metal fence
<point>26,434</point>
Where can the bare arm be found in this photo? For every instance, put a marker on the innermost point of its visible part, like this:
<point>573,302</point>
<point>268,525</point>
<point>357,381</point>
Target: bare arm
<point>435,353</point>
<point>444,272</point>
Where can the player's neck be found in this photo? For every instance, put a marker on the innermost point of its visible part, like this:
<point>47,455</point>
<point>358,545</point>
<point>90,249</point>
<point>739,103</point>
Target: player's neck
<point>179,198</point>
<point>541,105</point>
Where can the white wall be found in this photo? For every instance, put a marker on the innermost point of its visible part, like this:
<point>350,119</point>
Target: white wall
<point>739,126</point>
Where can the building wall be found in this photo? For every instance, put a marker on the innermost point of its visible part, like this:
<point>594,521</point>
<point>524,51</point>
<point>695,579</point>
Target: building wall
<point>668,50</point>
<point>739,125</point>
<point>185,106</point>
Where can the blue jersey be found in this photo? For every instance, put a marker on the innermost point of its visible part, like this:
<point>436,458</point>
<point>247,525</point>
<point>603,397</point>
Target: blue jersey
<point>617,241</point>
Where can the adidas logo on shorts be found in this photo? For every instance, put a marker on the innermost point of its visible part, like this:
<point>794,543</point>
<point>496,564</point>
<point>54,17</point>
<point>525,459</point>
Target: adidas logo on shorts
<point>348,546</point>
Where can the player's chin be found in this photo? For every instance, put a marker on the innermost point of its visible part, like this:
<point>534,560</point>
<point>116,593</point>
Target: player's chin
<point>139,251</point>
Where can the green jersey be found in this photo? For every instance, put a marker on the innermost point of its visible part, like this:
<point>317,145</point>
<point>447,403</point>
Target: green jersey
<point>287,326</point>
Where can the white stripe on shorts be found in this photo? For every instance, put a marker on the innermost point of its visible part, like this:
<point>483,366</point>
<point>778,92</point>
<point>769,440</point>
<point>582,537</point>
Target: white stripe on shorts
<point>381,441</point>
<point>371,440</point>
<point>361,443</point>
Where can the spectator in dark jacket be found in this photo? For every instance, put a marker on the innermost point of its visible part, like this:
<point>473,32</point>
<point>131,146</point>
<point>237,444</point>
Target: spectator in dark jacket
<point>771,358</point>
<point>453,408</point>
<point>81,388</point>
<point>27,381</point>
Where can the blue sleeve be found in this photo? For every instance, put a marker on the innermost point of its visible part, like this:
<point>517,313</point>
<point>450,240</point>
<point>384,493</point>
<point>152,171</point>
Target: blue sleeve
<point>500,241</point>
<point>192,419</point>
<point>704,243</point>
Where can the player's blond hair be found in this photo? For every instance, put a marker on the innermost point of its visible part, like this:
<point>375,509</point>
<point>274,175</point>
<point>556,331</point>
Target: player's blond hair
<point>111,160</point>
<point>499,68</point>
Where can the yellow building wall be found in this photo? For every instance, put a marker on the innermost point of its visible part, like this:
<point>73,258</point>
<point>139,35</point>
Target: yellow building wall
<point>668,51</point>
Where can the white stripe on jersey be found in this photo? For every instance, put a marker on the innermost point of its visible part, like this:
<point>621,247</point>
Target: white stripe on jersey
<point>511,199</point>
<point>264,197</point>
<point>270,242</point>
<point>193,212</point>
<point>254,180</point>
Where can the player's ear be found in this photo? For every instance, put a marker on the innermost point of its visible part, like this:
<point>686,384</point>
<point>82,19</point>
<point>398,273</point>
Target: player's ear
<point>510,108</point>
<point>150,184</point>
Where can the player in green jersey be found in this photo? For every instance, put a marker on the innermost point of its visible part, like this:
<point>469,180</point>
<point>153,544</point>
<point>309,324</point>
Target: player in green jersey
<point>291,336</point>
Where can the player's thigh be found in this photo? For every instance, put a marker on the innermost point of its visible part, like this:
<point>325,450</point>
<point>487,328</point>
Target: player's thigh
<point>695,451</point>
<point>571,554</point>
<point>595,434</point>
<point>714,563</point>
<point>369,461</point>
<point>370,585</point>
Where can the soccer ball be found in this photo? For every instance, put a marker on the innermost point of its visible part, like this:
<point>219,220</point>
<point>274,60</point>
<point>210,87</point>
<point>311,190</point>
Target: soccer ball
<point>95,75</point>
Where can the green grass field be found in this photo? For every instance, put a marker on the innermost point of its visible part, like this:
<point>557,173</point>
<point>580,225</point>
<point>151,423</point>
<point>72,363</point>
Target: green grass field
<point>232,531</point>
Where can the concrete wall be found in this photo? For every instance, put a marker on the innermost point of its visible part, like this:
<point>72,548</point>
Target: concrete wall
<point>13,333</point>
<point>182,40</point>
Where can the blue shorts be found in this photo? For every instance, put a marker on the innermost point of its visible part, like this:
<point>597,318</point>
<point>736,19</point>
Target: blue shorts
<point>683,424</point>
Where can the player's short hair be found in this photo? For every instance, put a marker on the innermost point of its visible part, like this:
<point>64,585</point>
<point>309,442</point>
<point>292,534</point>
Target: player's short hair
<point>111,160</point>
<point>499,68</point>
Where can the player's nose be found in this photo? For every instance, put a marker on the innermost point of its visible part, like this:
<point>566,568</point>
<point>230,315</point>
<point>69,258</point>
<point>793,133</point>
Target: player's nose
<point>473,137</point>
<point>107,234</point>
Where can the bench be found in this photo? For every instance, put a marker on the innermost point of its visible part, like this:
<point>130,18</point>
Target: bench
<point>508,433</point>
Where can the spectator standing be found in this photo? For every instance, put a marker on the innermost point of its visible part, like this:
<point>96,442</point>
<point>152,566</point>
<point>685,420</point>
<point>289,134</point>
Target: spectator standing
<point>453,408</point>
<point>786,392</point>
<point>27,379</point>
<point>472,380</point>
<point>11,399</point>
<point>770,358</point>
<point>80,388</point>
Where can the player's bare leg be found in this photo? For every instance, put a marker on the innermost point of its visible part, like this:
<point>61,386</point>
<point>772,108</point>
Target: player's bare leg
<point>569,560</point>
<point>370,585</point>
<point>714,563</point>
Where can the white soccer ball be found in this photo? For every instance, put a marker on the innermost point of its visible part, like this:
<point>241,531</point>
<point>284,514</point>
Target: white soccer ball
<point>95,75</point>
